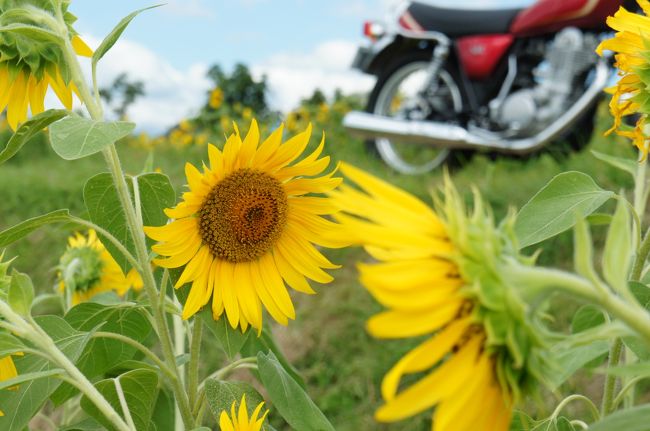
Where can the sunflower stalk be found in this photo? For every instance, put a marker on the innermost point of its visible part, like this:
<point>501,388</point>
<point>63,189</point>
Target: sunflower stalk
<point>35,334</point>
<point>193,369</point>
<point>539,279</point>
<point>135,228</point>
<point>616,351</point>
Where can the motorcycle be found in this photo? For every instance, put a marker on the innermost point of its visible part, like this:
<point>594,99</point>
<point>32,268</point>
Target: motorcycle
<point>507,80</point>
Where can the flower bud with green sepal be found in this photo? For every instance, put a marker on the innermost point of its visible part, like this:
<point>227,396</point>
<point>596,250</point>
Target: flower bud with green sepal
<point>506,310</point>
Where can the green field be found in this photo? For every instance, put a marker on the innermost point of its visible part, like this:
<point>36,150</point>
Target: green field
<point>342,365</point>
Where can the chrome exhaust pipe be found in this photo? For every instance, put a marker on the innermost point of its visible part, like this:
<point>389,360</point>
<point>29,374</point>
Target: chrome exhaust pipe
<point>369,125</point>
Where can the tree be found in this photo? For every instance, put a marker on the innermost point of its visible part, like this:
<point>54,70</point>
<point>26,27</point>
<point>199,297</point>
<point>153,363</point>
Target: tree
<point>121,94</point>
<point>241,88</point>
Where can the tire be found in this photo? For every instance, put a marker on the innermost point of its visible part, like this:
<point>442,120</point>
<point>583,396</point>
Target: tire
<point>405,75</point>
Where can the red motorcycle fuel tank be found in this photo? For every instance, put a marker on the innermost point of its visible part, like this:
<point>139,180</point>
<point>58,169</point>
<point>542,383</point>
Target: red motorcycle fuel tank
<point>546,16</point>
<point>480,54</point>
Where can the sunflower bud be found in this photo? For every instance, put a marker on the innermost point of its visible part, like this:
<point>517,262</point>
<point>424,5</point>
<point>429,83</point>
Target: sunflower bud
<point>87,269</point>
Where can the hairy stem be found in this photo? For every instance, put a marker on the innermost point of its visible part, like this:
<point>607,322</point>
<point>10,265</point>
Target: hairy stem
<point>610,380</point>
<point>34,333</point>
<point>193,369</point>
<point>137,232</point>
<point>615,352</point>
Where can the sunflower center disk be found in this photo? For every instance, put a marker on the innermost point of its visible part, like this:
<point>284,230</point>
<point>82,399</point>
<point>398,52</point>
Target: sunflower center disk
<point>243,216</point>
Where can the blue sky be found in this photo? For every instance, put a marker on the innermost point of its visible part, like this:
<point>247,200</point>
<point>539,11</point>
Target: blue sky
<point>298,44</point>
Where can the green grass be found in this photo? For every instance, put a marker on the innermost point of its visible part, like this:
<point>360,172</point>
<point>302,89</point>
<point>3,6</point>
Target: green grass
<point>342,365</point>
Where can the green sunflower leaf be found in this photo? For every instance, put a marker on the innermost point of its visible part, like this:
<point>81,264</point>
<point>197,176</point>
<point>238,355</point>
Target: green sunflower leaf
<point>163,413</point>
<point>28,226</point>
<point>21,293</point>
<point>27,377</point>
<point>115,34</point>
<point>627,165</point>
<point>105,210</point>
<point>76,137</point>
<point>88,424</point>
<point>288,397</point>
<point>563,424</point>
<point>266,343</point>
<point>140,388</point>
<point>553,209</point>
<point>28,130</point>
<point>568,361</point>
<point>587,317</point>
<point>9,344</point>
<point>617,255</point>
<point>220,395</point>
<point>102,354</point>
<point>21,405</point>
<point>633,419</point>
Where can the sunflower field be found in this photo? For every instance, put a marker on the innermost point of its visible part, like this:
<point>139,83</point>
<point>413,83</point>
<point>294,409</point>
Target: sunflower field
<point>250,270</point>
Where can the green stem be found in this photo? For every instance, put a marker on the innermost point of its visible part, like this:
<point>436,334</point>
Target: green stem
<point>148,353</point>
<point>193,370</point>
<point>123,403</point>
<point>630,313</point>
<point>136,230</point>
<point>248,362</point>
<point>35,334</point>
<point>576,397</point>
<point>616,350</point>
<point>610,380</point>
<point>630,385</point>
<point>641,257</point>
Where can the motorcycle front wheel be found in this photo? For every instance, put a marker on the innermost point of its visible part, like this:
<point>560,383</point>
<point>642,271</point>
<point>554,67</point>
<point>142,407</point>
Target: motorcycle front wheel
<point>394,92</point>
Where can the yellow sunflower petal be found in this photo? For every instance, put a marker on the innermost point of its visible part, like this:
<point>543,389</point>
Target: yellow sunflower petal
<point>200,292</point>
<point>433,388</point>
<point>424,356</point>
<point>80,47</point>
<point>225,424</point>
<point>401,324</point>
<point>18,99</point>
<point>267,297</point>
<point>227,287</point>
<point>291,275</point>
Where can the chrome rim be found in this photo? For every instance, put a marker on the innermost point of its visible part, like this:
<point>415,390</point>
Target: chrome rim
<point>398,90</point>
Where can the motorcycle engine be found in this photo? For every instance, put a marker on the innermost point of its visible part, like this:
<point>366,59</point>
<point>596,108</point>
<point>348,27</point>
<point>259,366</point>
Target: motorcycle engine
<point>529,110</point>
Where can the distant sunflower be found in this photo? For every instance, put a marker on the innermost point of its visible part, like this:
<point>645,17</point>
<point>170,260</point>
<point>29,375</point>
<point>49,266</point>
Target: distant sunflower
<point>439,277</point>
<point>630,95</point>
<point>20,88</point>
<point>216,98</point>
<point>239,420</point>
<point>90,270</point>
<point>247,226</point>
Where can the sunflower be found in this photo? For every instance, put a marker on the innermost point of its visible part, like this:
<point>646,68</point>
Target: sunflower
<point>216,98</point>
<point>439,277</point>
<point>630,95</point>
<point>239,421</point>
<point>89,269</point>
<point>247,226</point>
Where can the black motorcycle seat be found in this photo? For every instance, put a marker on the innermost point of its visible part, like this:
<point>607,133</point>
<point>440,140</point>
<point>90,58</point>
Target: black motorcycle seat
<point>458,22</point>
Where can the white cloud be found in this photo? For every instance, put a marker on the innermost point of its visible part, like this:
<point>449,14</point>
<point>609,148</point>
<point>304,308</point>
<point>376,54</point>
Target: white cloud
<point>293,76</point>
<point>170,94</point>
